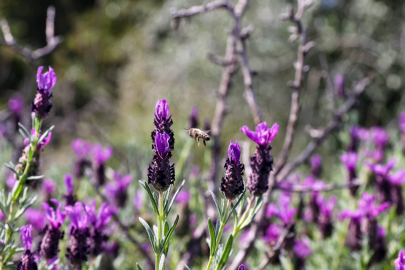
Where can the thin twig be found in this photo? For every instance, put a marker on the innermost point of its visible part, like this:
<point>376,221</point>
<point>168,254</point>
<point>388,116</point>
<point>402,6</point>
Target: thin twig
<point>51,41</point>
<point>125,230</point>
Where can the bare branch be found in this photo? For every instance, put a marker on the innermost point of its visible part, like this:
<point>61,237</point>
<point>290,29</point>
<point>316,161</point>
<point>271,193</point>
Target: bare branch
<point>184,13</point>
<point>52,41</point>
<point>218,60</point>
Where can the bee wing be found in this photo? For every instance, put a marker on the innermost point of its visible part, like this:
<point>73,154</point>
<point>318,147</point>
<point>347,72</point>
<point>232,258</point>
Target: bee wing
<point>186,129</point>
<point>207,131</point>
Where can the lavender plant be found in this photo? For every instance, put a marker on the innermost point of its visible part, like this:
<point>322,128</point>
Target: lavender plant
<point>14,204</point>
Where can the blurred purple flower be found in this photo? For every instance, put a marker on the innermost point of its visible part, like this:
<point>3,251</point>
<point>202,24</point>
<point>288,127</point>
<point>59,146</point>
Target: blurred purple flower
<point>183,197</point>
<point>363,134</point>
<point>49,246</point>
<point>48,186</point>
<point>55,218</point>
<point>117,190</point>
<point>244,236</point>
<point>69,197</point>
<point>28,260</point>
<point>35,217</point>
<point>301,249</point>
<point>400,261</point>
<point>381,169</point>
<point>379,136</point>
<point>3,130</point>
<point>232,183</point>
<point>368,208</point>
<point>272,234</point>
<point>43,143</point>
<point>316,164</point>
<point>283,211</point>
<point>354,139</point>
<point>402,121</point>
<point>101,155</point>
<point>47,80</point>
<point>340,85</point>
<point>81,148</point>
<point>193,220</point>
<point>10,180</point>
<point>146,246</point>
<point>325,218</point>
<point>263,135</point>
<point>102,218</point>
<point>383,185</point>
<point>350,160</point>
<point>16,104</point>
<point>241,267</point>
<point>193,120</point>
<point>78,248</point>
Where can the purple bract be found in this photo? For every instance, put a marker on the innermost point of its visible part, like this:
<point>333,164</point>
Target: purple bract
<point>263,135</point>
<point>55,218</point>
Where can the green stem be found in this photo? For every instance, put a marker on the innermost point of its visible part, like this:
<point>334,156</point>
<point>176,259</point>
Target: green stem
<point>159,233</point>
<point>221,230</point>
<point>244,216</point>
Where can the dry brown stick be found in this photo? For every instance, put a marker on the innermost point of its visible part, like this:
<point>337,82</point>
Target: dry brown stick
<point>297,84</point>
<point>125,230</point>
<point>51,41</point>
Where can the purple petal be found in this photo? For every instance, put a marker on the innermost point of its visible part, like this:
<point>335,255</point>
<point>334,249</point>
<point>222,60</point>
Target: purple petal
<point>101,155</point>
<point>48,186</point>
<point>162,143</point>
<point>234,152</point>
<point>301,249</point>
<point>400,261</point>
<point>69,184</point>
<point>183,197</point>
<point>138,200</point>
<point>16,104</point>
<point>25,237</point>
<point>81,147</point>
<point>35,217</point>
<point>162,109</point>
<point>350,160</point>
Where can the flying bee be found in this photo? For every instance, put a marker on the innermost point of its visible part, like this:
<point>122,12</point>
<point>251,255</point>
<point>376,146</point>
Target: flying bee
<point>198,134</point>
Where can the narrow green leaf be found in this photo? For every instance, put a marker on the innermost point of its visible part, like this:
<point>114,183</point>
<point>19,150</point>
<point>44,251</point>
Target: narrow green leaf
<point>225,255</point>
<point>150,234</point>
<point>166,196</point>
<point>169,234</point>
<point>185,265</point>
<point>152,200</point>
<point>216,203</point>
<point>138,266</point>
<point>174,197</point>
<point>217,226</point>
<point>212,237</point>
<point>35,177</point>
<point>45,134</point>
<point>166,228</point>
<point>9,255</point>
<point>11,168</point>
<point>162,262</point>
<point>24,131</point>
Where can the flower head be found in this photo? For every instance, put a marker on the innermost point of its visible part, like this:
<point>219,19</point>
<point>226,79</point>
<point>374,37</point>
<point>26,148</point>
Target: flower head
<point>25,237</point>
<point>47,80</point>
<point>282,211</point>
<point>117,190</point>
<point>400,261</point>
<point>263,135</point>
<point>16,104</point>
<point>241,267</point>
<point>232,183</point>
<point>102,218</point>
<point>301,248</point>
<point>101,155</point>
<point>81,148</point>
<point>162,109</point>
<point>350,160</point>
<point>272,234</point>
<point>397,178</point>
<point>193,121</point>
<point>55,218</point>
<point>381,169</point>
<point>368,207</point>
<point>69,184</point>
<point>316,162</point>
<point>78,217</point>
<point>43,143</point>
<point>49,186</point>
<point>379,136</point>
<point>325,206</point>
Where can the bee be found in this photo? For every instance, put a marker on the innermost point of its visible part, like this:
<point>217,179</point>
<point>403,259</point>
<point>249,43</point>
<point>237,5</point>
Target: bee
<point>198,134</point>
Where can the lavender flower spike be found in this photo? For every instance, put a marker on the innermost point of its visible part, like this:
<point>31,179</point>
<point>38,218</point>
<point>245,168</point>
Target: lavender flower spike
<point>117,190</point>
<point>42,105</point>
<point>193,120</point>
<point>232,183</point>
<point>101,155</point>
<point>325,219</point>
<point>400,261</point>
<point>350,160</point>
<point>340,85</point>
<point>27,261</point>
<point>163,121</point>
<point>262,161</point>
<point>49,246</point>
<point>78,248</point>
<point>82,150</point>
<point>97,237</point>
<point>384,186</point>
<point>316,164</point>
<point>160,172</point>
<point>69,197</point>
